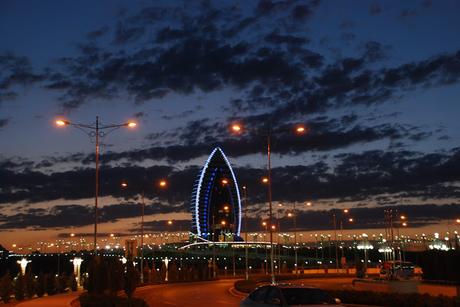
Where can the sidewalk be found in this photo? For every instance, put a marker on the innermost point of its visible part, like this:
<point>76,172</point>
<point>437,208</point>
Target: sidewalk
<point>59,300</point>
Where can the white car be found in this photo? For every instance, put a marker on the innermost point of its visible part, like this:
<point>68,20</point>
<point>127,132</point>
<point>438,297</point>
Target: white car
<point>288,295</point>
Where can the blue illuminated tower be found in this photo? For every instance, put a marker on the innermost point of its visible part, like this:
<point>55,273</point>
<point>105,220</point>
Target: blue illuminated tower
<point>215,202</point>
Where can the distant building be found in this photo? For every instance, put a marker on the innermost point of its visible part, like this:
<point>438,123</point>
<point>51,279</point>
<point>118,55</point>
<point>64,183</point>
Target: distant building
<point>215,202</point>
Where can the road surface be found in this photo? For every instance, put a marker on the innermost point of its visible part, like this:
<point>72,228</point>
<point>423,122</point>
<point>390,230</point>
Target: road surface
<point>213,293</point>
<point>59,300</point>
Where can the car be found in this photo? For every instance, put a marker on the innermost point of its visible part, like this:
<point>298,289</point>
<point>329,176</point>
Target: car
<point>288,295</point>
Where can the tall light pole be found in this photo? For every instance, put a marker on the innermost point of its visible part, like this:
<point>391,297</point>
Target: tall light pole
<point>162,184</point>
<point>236,128</point>
<point>294,216</point>
<point>245,197</point>
<point>97,131</point>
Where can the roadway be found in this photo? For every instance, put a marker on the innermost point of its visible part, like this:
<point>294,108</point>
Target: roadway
<point>214,293</point>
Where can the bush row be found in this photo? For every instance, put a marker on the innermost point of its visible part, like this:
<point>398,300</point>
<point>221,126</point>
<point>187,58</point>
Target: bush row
<point>29,286</point>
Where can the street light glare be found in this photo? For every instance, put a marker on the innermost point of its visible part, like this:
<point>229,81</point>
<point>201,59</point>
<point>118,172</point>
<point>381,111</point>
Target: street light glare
<point>300,129</point>
<point>223,223</point>
<point>131,124</point>
<point>163,183</point>
<point>265,180</point>
<point>224,181</point>
<point>61,122</point>
<point>403,217</point>
<point>350,220</point>
<point>170,222</point>
<point>308,204</point>
<point>345,210</point>
<point>124,185</point>
<point>236,128</point>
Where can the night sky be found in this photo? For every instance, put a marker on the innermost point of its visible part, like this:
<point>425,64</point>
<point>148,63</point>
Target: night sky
<point>377,83</point>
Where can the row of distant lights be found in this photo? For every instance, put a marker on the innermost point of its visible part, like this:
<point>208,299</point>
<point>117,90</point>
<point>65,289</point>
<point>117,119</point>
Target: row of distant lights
<point>405,238</point>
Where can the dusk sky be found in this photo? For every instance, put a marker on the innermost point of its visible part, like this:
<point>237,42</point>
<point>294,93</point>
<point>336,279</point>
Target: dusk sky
<point>377,83</point>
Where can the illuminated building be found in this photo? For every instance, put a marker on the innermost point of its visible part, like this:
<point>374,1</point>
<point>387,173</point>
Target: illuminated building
<point>215,202</point>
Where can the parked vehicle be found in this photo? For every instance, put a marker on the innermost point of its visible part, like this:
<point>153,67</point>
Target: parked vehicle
<point>288,295</point>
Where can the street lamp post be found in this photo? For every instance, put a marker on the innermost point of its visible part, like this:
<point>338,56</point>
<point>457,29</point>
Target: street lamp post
<point>95,130</point>
<point>299,129</point>
<point>162,184</point>
<point>246,254</point>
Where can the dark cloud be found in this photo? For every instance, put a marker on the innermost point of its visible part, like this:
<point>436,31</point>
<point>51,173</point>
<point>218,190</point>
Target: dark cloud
<point>375,9</point>
<point>97,33</point>
<point>301,12</point>
<point>63,216</point>
<point>352,177</point>
<point>4,122</point>
<point>408,13</point>
<point>140,114</point>
<point>15,71</point>
<point>125,34</point>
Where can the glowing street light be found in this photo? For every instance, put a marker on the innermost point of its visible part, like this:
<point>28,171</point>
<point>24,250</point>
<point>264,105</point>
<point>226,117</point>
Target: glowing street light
<point>345,210</point>
<point>223,223</point>
<point>351,220</point>
<point>402,217</point>
<point>224,181</point>
<point>170,222</point>
<point>264,180</point>
<point>162,183</point>
<point>308,204</point>
<point>236,128</point>
<point>95,131</point>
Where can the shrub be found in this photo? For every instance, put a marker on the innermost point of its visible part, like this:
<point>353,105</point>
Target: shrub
<point>19,287</point>
<point>30,284</point>
<point>50,284</point>
<point>131,279</point>
<point>61,283</point>
<point>5,287</point>
<point>41,285</point>
<point>72,283</point>
<point>116,272</point>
